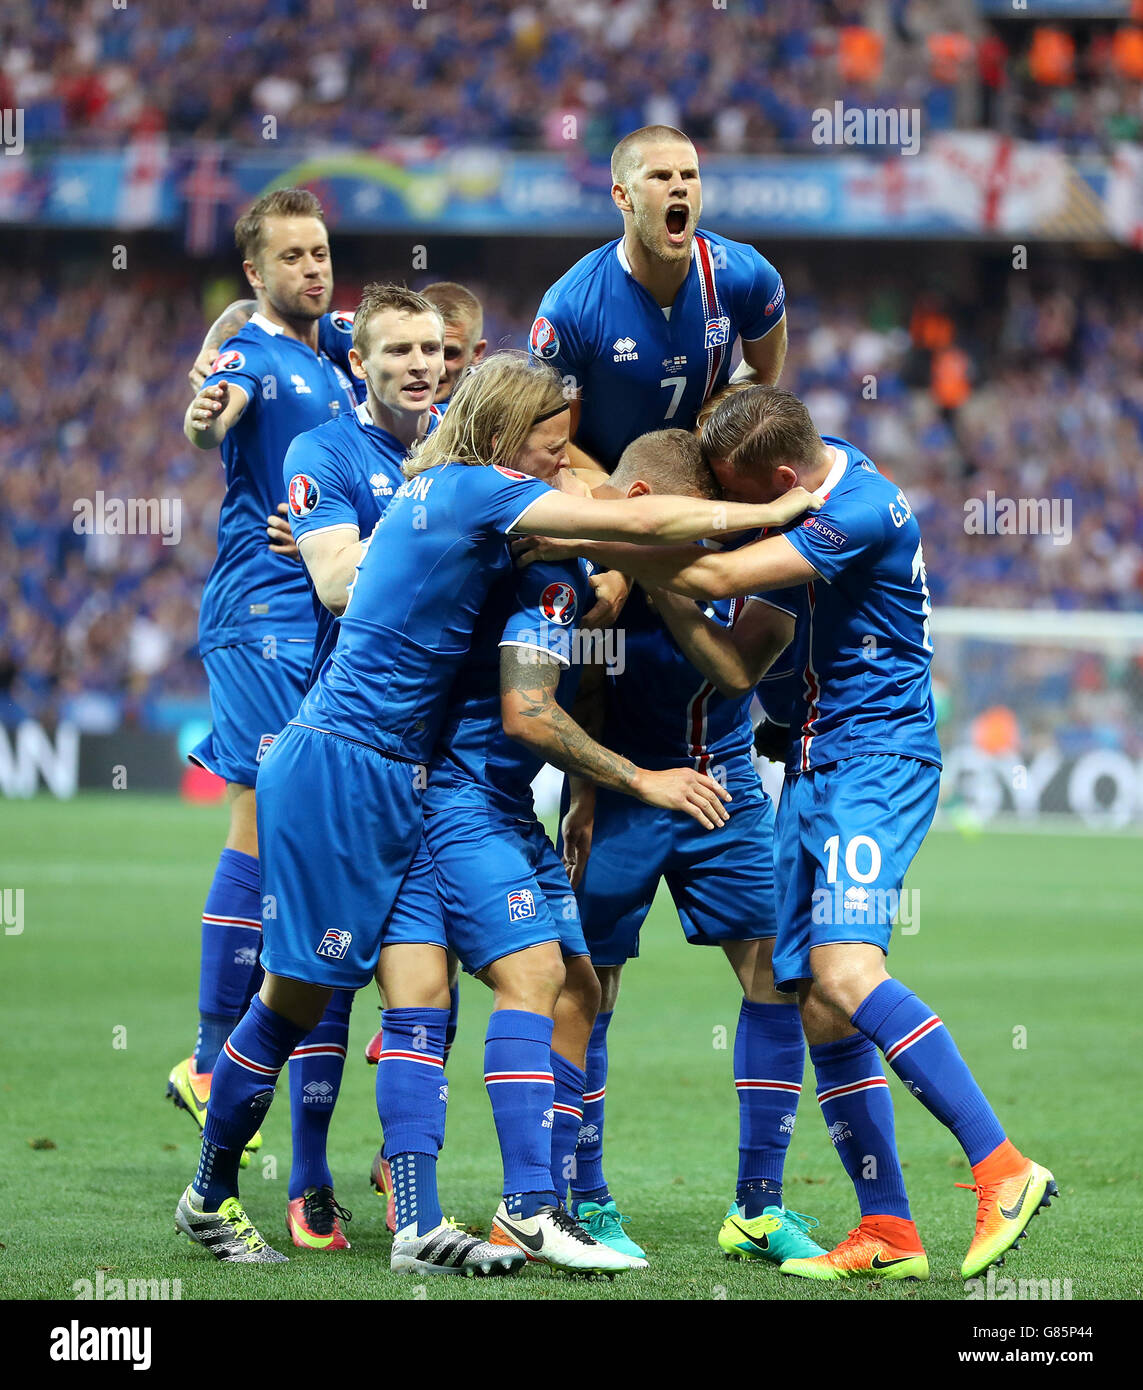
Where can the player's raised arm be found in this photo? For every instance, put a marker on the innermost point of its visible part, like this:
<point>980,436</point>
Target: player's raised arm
<point>235,316</point>
<point>734,659</point>
<point>530,713</point>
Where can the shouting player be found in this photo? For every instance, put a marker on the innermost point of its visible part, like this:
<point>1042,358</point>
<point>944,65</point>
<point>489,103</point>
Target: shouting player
<point>354,755</point>
<point>642,330</point>
<point>862,778</point>
<point>256,626</point>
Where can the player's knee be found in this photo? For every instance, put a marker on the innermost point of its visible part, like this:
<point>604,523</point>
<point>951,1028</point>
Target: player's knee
<point>843,984</point>
<point>608,976</point>
<point>582,987</point>
<point>243,832</point>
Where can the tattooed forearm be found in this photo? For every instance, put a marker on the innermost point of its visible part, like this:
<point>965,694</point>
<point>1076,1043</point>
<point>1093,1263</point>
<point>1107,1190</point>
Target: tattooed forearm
<point>528,681</point>
<point>233,318</point>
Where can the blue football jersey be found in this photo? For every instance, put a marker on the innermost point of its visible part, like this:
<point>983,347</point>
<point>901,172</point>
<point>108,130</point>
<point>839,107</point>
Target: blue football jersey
<point>344,473</point>
<point>534,606</point>
<point>250,591</point>
<point>335,338</point>
<point>641,367</point>
<point>428,567</point>
<point>663,712</point>
<point>862,648</point>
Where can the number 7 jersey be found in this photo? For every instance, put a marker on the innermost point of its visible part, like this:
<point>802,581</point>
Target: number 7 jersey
<point>862,649</point>
<point>640,367</point>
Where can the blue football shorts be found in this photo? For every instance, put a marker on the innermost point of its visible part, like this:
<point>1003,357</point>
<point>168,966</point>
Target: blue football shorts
<point>502,886</point>
<point>846,835</point>
<point>339,827</point>
<point>722,880</point>
<point>253,696</point>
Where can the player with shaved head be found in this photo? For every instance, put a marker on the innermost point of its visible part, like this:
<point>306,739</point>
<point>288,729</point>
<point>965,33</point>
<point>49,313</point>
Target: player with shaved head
<point>643,329</point>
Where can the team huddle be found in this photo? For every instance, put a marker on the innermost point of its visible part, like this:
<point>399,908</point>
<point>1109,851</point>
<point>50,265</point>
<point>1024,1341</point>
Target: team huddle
<point>397,649</point>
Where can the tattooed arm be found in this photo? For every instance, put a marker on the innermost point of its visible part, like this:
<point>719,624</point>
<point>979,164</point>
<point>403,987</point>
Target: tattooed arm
<point>232,318</point>
<point>530,713</point>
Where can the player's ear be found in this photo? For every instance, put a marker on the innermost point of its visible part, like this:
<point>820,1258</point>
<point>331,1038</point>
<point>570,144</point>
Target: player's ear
<point>478,351</point>
<point>252,276</point>
<point>639,489</point>
<point>356,364</point>
<point>620,197</point>
<point>784,478</point>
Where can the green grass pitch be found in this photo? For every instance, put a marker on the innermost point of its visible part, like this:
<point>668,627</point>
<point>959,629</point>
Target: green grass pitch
<point>1027,946</point>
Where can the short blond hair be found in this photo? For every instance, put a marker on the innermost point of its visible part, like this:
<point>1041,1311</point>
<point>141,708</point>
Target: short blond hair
<point>377,297</point>
<point>459,307</point>
<point>491,413</point>
<point>626,155</point>
<point>250,229</point>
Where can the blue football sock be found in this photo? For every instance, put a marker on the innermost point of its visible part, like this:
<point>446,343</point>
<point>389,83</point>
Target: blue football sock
<point>588,1183</point>
<point>453,1015</point>
<point>231,944</point>
<point>316,1065</point>
<point>241,1090</point>
<point>567,1116</point>
<point>858,1110</point>
<point>518,1077</point>
<point>415,1192</point>
<point>920,1050</point>
<point>412,1095</point>
<point>769,1058</point>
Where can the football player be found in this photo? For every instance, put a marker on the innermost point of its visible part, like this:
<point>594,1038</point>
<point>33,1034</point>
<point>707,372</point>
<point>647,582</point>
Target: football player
<point>270,382</point>
<point>465,342</point>
<point>339,478</point>
<point>682,699</point>
<point>862,778</point>
<point>642,330</point>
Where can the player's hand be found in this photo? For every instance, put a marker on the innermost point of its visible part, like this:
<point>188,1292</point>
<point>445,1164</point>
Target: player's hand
<point>611,590</point>
<point>576,830</point>
<point>528,549</point>
<point>792,504</point>
<point>281,537</point>
<point>208,405</point>
<point>684,789</point>
<point>202,365</point>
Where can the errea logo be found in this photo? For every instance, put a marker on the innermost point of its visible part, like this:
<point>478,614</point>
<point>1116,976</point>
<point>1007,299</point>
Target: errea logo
<point>300,386</point>
<point>624,350</point>
<point>381,485</point>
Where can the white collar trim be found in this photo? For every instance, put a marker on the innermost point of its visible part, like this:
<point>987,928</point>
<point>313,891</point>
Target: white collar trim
<point>833,477</point>
<point>265,325</point>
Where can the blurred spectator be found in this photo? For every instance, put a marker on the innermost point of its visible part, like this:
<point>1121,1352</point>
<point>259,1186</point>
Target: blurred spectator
<point>744,77</point>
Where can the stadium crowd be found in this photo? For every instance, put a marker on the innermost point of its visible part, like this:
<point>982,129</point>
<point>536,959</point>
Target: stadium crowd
<point>99,627</point>
<point>745,77</point>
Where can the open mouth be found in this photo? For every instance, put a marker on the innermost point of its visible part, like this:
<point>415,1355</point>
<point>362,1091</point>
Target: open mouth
<point>678,214</point>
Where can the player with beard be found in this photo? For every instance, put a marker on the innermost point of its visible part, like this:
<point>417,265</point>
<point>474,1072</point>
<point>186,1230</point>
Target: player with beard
<point>270,383</point>
<point>642,330</point>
